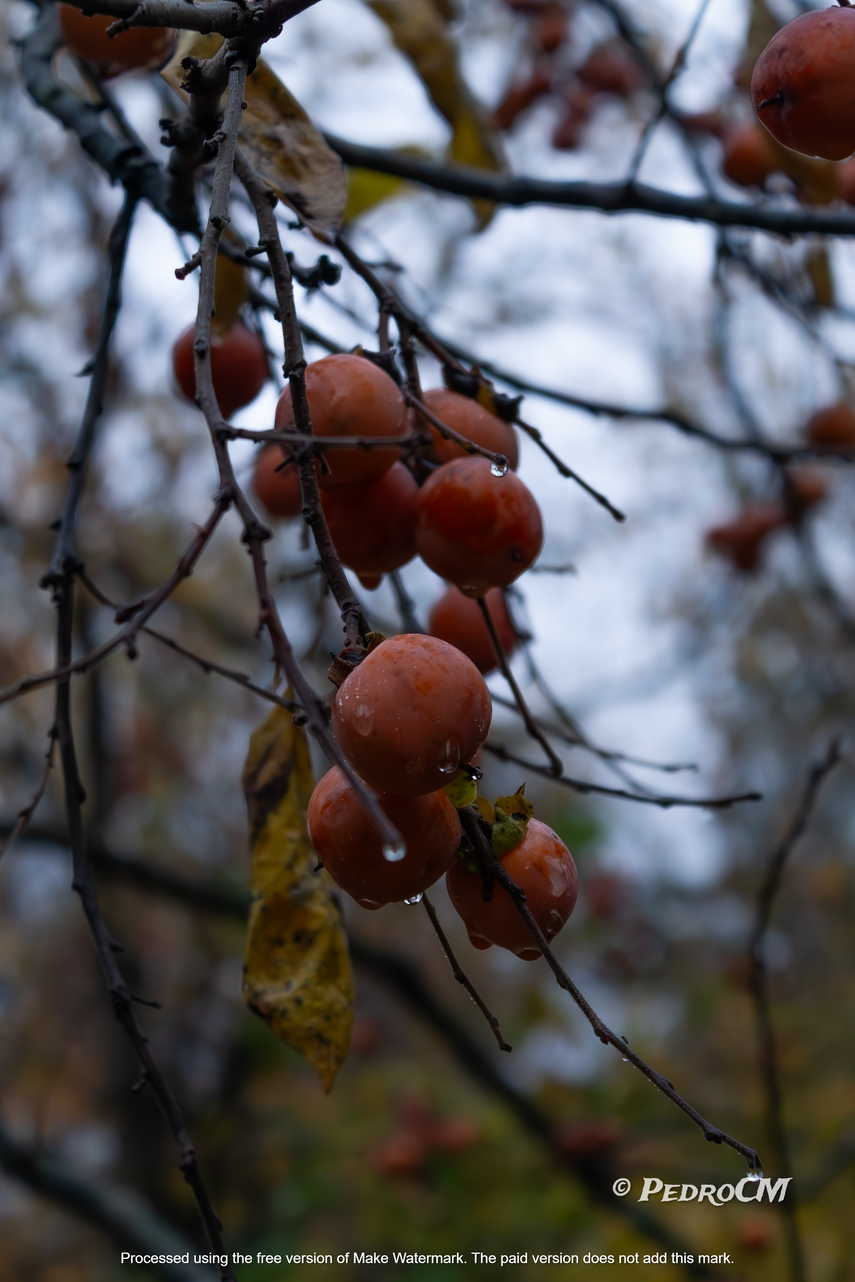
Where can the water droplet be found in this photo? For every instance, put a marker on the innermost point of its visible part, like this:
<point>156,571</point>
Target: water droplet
<point>755,1174</point>
<point>450,759</point>
<point>394,853</point>
<point>416,899</point>
<point>624,1058</point>
<point>499,467</point>
<point>363,719</point>
<point>471,772</point>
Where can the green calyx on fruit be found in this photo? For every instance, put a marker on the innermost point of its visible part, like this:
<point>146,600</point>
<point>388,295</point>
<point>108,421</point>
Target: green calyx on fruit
<point>507,819</point>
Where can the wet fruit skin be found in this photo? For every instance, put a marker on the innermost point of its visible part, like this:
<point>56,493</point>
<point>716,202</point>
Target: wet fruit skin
<point>803,86</point>
<point>544,868</point>
<point>278,490</point>
<point>351,849</point>
<point>238,367</point>
<point>832,427</point>
<point>471,420</point>
<point>148,47</point>
<point>748,158</point>
<point>457,619</point>
<point>410,713</point>
<point>349,396</point>
<point>474,529</point>
<point>373,526</point>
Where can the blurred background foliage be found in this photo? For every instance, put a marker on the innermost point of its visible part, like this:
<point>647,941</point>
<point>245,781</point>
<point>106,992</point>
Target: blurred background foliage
<point>663,650</point>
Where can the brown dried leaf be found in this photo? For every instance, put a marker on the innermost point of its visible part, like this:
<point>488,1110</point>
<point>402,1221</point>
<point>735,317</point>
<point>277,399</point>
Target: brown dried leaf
<point>297,973</point>
<point>291,154</point>
<point>280,141</point>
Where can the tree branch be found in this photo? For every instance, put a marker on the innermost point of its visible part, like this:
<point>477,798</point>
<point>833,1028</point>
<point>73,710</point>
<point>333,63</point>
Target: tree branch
<point>494,869</point>
<point>608,198</point>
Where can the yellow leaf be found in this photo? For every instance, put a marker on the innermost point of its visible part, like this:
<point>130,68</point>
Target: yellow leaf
<point>508,833</point>
<point>280,141</point>
<point>365,189</point>
<point>420,30</point>
<point>297,973</point>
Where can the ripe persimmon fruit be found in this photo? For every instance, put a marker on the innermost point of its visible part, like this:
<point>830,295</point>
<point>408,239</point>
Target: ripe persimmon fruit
<point>350,847</point>
<point>239,367</point>
<point>477,530</point>
<point>373,526</point>
<point>410,713</point>
<point>472,420</point>
<point>803,86</point>
<point>544,868</point>
<point>350,396</point>
<point>457,619</point>
<point>134,49</point>
<point>277,483</point>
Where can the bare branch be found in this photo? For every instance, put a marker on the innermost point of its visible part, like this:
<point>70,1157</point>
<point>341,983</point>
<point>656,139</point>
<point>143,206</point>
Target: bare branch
<point>609,198</point>
<point>648,799</point>
<point>24,816</point>
<point>760,993</point>
<point>124,1217</point>
<point>494,868</point>
<point>462,978</point>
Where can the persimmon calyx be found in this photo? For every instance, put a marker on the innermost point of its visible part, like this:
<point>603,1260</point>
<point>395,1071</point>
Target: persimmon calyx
<point>461,792</point>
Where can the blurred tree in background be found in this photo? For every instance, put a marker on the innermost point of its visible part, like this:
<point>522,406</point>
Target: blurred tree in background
<point>674,355</point>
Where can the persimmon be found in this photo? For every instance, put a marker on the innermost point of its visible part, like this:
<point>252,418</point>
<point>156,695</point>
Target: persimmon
<point>740,541</point>
<point>568,132</point>
<point>550,27</point>
<point>519,97</point>
<point>611,68</point>
<point>543,866</point>
<point>350,396</point>
<point>238,366</point>
<point>833,427</point>
<point>457,619</point>
<point>277,483</point>
<point>748,158</point>
<point>350,847</point>
<point>803,86</point>
<point>471,420</point>
<point>373,526</point>
<point>804,489</point>
<point>475,529</point>
<point>136,48</point>
<point>413,710</point>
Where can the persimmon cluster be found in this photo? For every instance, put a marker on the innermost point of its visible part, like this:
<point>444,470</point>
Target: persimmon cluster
<point>550,67</point>
<point>742,541</point>
<point>412,715</point>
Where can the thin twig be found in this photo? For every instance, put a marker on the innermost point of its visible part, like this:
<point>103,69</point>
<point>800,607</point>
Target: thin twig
<point>648,799</point>
<point>24,816</point>
<point>207,665</point>
<point>557,766</point>
<point>406,604</point>
<point>760,992</point>
<point>568,472</point>
<point>462,978</point>
<point>140,611</point>
<point>496,870</point>
<point>662,109</point>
